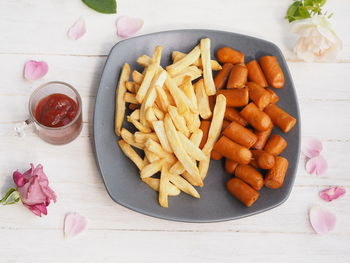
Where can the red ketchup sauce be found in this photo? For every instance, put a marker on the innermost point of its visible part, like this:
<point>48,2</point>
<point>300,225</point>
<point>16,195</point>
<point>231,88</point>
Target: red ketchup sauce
<point>56,110</point>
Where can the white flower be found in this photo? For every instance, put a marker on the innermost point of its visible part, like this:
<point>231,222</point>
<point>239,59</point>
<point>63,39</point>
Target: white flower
<point>317,40</point>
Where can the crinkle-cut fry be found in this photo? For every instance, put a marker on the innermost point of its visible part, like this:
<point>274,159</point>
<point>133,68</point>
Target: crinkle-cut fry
<point>152,168</point>
<point>188,89</point>
<point>130,86</point>
<point>157,149</point>
<point>202,99</point>
<point>183,185</point>
<point>135,114</point>
<point>207,71</point>
<point>177,55</point>
<point>193,151</point>
<point>151,156</point>
<point>154,184</point>
<point>183,63</point>
<point>192,121</point>
<point>131,154</point>
<point>192,71</point>
<point>204,167</point>
<point>119,98</point>
<point>137,77</point>
<point>159,114</point>
<point>129,138</point>
<point>141,137</point>
<point>178,120</point>
<point>163,191</point>
<point>151,70</point>
<point>177,148</point>
<point>130,98</point>
<point>138,125</point>
<point>159,129</point>
<point>163,99</point>
<point>144,60</point>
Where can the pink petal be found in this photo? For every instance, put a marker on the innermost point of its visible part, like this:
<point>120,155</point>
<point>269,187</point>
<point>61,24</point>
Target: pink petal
<point>74,224</point>
<point>312,147</point>
<point>77,30</point>
<point>127,26</point>
<point>321,220</point>
<point>19,179</point>
<point>37,209</point>
<point>332,193</point>
<point>34,70</point>
<point>316,165</point>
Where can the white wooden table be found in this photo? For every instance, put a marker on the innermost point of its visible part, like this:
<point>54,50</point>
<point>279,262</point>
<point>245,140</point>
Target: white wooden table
<point>37,30</point>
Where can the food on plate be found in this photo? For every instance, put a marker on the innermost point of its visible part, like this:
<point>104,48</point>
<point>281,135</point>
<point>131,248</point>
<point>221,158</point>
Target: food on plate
<point>119,101</point>
<point>274,96</point>
<point>229,55</point>
<point>275,145</point>
<point>230,166</point>
<point>238,77</point>
<point>255,117</point>
<point>275,177</point>
<point>272,71</point>
<point>242,191</point>
<point>255,74</point>
<point>262,138</point>
<point>205,125</point>
<point>280,118</point>
<point>259,95</point>
<point>231,114</point>
<point>240,134</point>
<point>232,150</point>
<point>221,77</point>
<point>215,155</point>
<point>262,159</point>
<point>235,97</point>
<point>250,175</point>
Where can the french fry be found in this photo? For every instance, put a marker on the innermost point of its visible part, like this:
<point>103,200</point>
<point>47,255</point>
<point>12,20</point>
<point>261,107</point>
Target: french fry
<point>130,86</point>
<point>141,137</point>
<point>183,63</point>
<point>183,185</point>
<point>207,71</point>
<point>181,101</point>
<point>137,77</point>
<point>145,161</point>
<point>178,121</point>
<point>158,150</point>
<point>189,90</point>
<point>154,184</point>
<point>135,114</point>
<point>150,116</point>
<point>192,150</point>
<point>170,97</point>
<point>159,114</point>
<point>192,121</point>
<point>177,168</point>
<point>204,167</point>
<point>129,138</point>
<point>151,156</point>
<point>163,99</point>
<point>119,100</point>
<point>177,55</point>
<point>164,180</point>
<point>130,98</point>
<point>202,99</point>
<point>131,154</point>
<point>151,168</point>
<point>158,127</point>
<point>177,148</point>
<point>192,71</point>
<point>138,125</point>
<point>144,60</point>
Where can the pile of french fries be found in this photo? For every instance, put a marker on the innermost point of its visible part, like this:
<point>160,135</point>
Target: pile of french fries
<point>167,110</point>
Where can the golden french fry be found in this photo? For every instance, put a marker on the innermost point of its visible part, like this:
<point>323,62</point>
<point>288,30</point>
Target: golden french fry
<point>144,60</point>
<point>130,86</point>
<point>192,71</point>
<point>145,161</point>
<point>207,71</point>
<point>150,116</point>
<point>130,98</point>
<point>158,127</point>
<point>178,121</point>
<point>183,185</point>
<point>135,114</point>
<point>203,167</point>
<point>192,150</point>
<point>139,125</point>
<point>164,180</point>
<point>177,148</point>
<point>151,168</point>
<point>177,168</point>
<point>189,90</point>
<point>129,138</point>
<point>151,156</point>
<point>154,184</point>
<point>119,99</point>
<point>163,99</point>
<point>216,124</point>
<point>181,101</point>
<point>158,150</point>
<point>177,55</point>
<point>184,62</point>
<point>131,154</point>
<point>141,137</point>
<point>137,77</point>
<point>202,99</point>
<point>159,114</point>
<point>192,121</point>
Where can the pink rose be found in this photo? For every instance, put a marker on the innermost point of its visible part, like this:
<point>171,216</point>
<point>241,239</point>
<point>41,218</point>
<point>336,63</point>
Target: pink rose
<point>33,187</point>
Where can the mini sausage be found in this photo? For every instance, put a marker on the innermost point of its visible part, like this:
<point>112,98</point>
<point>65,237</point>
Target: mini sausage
<point>230,166</point>
<point>275,145</point>
<point>205,125</point>
<point>231,114</point>
<point>255,117</point>
<point>272,71</point>
<point>242,191</point>
<point>225,124</point>
<point>274,96</point>
<point>232,150</point>
<point>212,101</point>
<point>255,73</point>
<point>250,175</point>
<point>215,155</point>
<point>229,55</point>
<point>259,95</point>
<point>275,177</point>
<point>238,77</point>
<point>235,97</point>
<point>262,159</point>
<point>280,118</point>
<point>240,134</point>
<point>221,78</point>
<point>262,138</point>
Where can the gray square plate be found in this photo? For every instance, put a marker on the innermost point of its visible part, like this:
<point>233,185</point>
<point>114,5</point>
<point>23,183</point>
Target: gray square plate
<point>121,176</point>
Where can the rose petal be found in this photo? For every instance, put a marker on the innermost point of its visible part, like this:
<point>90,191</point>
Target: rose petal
<point>19,179</point>
<point>34,70</point>
<point>74,224</point>
<point>332,193</point>
<point>77,30</point>
<point>321,220</point>
<point>37,209</point>
<point>127,26</point>
<point>316,165</point>
<point>312,147</point>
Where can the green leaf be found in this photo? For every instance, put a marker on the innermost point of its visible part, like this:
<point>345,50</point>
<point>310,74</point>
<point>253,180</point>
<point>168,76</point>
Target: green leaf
<point>308,2</point>
<point>102,6</point>
<point>303,12</point>
<point>293,8</point>
<point>11,197</point>
<point>321,2</point>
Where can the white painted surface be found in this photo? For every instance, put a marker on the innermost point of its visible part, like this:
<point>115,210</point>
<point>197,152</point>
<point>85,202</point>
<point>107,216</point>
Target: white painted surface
<point>37,30</point>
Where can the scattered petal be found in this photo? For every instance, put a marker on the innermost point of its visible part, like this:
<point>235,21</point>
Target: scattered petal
<point>312,147</point>
<point>321,220</point>
<point>34,70</point>
<point>316,165</point>
<point>77,30</point>
<point>74,224</point>
<point>127,26</point>
<point>332,193</point>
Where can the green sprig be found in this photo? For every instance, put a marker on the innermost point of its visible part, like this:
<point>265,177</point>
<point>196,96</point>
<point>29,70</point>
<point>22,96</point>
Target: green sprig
<point>302,9</point>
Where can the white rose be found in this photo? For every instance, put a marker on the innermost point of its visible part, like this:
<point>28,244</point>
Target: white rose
<point>317,41</point>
